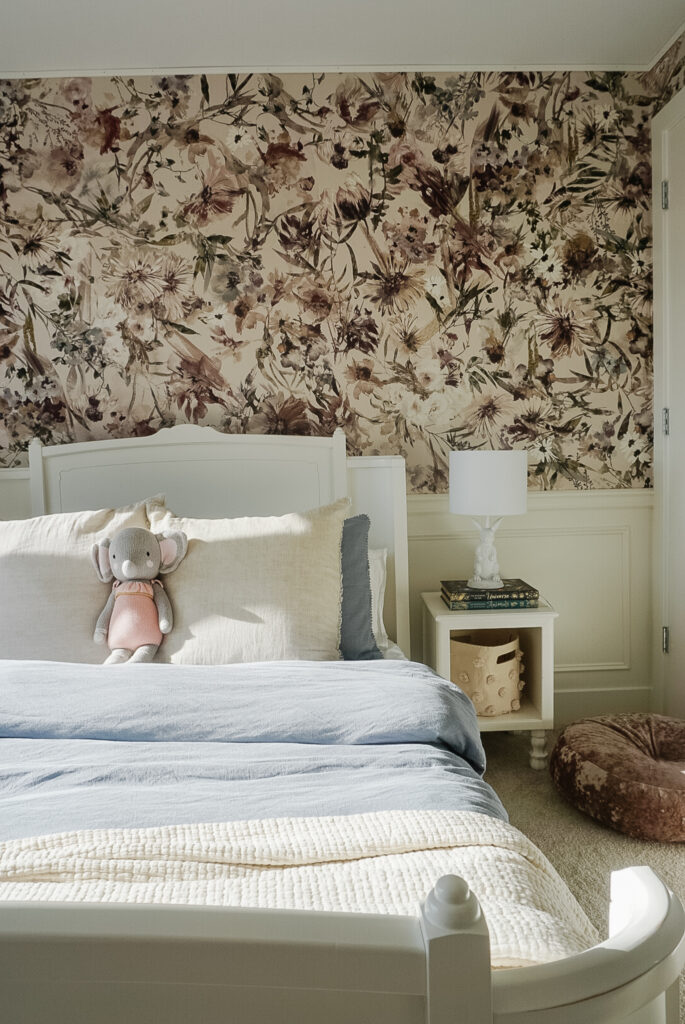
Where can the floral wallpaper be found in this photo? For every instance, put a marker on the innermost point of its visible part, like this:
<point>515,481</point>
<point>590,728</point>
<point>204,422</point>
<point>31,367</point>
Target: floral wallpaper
<point>430,261</point>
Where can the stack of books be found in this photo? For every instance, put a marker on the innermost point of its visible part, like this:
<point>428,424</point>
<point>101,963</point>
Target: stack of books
<point>458,596</point>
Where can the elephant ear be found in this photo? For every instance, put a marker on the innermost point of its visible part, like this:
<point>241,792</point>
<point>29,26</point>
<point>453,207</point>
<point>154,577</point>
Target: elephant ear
<point>100,558</point>
<point>172,546</point>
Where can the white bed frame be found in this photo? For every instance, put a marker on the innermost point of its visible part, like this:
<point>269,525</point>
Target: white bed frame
<point>113,964</point>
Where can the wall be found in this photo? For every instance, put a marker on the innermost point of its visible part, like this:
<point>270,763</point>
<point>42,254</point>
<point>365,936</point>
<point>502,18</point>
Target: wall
<point>381,307</point>
<point>430,261</point>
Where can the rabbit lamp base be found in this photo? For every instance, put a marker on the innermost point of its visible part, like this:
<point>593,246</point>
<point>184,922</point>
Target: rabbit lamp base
<point>485,568</point>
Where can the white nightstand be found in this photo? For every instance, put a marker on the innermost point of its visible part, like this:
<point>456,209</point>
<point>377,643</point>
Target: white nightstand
<point>535,627</point>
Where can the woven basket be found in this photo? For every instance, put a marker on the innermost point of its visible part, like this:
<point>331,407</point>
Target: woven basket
<point>487,666</point>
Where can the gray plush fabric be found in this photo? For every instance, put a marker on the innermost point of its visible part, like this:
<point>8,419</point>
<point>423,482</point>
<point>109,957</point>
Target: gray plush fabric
<point>357,642</point>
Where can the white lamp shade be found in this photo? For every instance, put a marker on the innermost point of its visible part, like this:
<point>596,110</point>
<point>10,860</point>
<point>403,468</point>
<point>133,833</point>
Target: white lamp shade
<point>488,483</point>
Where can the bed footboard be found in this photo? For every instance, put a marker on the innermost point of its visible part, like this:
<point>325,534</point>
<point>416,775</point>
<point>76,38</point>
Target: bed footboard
<point>632,977</point>
<point>107,963</point>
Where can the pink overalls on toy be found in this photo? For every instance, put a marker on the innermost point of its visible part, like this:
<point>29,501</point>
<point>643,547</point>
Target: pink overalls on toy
<point>134,620</point>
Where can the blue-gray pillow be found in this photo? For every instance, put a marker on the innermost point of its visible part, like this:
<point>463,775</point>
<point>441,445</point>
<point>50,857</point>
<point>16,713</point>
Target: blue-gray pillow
<point>357,642</point>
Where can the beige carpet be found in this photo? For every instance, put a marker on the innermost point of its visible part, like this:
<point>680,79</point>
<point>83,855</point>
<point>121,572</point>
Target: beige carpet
<point>583,851</point>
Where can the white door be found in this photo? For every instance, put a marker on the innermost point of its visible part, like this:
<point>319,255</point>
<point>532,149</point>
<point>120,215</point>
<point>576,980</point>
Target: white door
<point>669,386</point>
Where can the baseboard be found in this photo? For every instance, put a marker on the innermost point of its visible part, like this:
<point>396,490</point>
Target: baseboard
<point>571,705</point>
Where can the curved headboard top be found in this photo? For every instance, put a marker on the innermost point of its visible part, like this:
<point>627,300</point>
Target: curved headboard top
<point>200,471</point>
<point>208,474</point>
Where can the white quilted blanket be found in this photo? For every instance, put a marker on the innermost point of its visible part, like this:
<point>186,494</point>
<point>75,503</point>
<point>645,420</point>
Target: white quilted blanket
<point>372,863</point>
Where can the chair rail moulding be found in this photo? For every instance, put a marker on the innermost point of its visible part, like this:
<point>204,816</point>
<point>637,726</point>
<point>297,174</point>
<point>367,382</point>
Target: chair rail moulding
<point>422,506</point>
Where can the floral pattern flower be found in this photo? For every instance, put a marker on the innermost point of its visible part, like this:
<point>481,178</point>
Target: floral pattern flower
<point>430,261</point>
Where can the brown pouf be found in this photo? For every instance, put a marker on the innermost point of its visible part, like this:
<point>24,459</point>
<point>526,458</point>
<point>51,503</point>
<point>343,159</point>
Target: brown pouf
<point>627,771</point>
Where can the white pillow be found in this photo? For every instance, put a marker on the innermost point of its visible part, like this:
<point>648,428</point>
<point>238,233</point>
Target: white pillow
<point>50,597</point>
<point>256,589</point>
<point>378,574</point>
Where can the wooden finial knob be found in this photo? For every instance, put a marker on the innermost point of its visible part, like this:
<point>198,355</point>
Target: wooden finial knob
<point>451,904</point>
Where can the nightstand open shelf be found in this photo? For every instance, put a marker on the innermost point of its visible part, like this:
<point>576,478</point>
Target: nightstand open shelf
<point>535,627</point>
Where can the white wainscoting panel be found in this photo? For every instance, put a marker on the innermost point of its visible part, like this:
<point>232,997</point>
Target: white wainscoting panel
<point>15,494</point>
<point>589,553</point>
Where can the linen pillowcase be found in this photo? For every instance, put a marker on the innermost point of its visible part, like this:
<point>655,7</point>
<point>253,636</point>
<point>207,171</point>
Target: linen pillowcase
<point>357,642</point>
<point>378,574</point>
<point>256,589</point>
<point>50,597</point>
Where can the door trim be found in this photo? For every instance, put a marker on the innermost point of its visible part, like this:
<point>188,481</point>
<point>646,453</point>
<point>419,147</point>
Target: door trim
<point>671,115</point>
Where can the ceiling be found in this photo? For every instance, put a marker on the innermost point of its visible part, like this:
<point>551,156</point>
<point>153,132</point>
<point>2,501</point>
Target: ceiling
<point>96,36</point>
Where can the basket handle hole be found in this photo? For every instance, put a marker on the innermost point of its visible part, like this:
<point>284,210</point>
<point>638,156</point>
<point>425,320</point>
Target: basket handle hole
<point>506,657</point>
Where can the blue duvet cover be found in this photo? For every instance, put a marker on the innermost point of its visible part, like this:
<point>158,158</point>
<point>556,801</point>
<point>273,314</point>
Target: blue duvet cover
<point>85,746</point>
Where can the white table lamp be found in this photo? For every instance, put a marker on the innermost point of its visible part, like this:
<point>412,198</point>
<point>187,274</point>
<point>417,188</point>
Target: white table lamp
<point>487,484</point>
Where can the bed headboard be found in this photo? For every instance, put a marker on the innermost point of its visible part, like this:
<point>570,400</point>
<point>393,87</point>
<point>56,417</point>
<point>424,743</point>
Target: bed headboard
<point>202,472</point>
<point>208,474</point>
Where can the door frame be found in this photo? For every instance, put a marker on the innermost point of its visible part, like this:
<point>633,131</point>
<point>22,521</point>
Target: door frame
<point>665,120</point>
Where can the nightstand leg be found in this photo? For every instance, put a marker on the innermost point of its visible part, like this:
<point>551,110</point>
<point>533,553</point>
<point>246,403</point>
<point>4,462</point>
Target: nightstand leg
<point>538,749</point>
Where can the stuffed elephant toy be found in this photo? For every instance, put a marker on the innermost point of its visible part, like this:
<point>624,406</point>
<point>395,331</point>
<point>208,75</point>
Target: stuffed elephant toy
<point>138,612</point>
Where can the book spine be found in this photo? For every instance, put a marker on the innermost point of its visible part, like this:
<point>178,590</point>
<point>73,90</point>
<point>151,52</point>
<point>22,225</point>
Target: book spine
<point>459,606</point>
<point>490,595</point>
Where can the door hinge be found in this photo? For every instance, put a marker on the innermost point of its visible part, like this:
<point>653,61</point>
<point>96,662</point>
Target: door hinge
<point>666,421</point>
<point>665,639</point>
<point>664,195</point>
